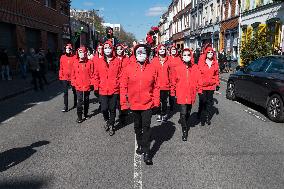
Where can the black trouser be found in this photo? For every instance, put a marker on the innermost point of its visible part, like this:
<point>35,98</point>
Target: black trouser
<point>42,73</point>
<point>206,102</point>
<point>172,102</point>
<point>185,110</point>
<point>36,78</point>
<point>164,102</point>
<point>66,85</point>
<point>142,128</point>
<point>83,99</point>
<point>108,107</point>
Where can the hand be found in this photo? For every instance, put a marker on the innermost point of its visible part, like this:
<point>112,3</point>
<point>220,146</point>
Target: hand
<point>92,87</point>
<point>217,88</point>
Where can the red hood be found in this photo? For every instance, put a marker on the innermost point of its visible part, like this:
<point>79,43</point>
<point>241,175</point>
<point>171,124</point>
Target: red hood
<point>204,55</point>
<point>111,45</point>
<point>123,52</point>
<point>158,48</point>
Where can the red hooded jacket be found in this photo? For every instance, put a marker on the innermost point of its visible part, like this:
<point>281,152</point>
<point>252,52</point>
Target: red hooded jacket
<point>163,71</point>
<point>210,76</point>
<point>187,82</point>
<point>107,76</point>
<point>82,72</point>
<point>139,89</point>
<point>66,64</point>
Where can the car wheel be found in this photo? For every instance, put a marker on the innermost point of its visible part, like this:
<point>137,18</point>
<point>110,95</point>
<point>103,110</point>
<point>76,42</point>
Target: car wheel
<point>274,108</point>
<point>230,92</point>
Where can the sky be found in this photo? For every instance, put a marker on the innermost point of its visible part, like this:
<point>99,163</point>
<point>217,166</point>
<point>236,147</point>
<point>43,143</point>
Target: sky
<point>135,16</point>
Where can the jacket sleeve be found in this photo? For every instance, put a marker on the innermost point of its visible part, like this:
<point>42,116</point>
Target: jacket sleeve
<point>124,89</point>
<point>61,68</point>
<point>96,78</point>
<point>199,81</point>
<point>156,91</point>
<point>73,75</point>
<point>173,83</point>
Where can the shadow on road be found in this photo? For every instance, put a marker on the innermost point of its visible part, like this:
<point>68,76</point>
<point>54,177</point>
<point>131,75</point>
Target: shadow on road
<point>13,157</point>
<point>35,183</point>
<point>253,106</point>
<point>128,120</point>
<point>160,134</point>
<point>18,104</point>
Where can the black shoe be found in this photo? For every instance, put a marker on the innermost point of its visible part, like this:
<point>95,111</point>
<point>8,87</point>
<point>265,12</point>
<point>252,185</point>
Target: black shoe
<point>79,120</point>
<point>64,110</point>
<point>148,159</point>
<point>86,117</point>
<point>139,150</point>
<point>184,135</point>
<point>106,126</point>
<point>73,107</point>
<point>208,122</point>
<point>111,130</point>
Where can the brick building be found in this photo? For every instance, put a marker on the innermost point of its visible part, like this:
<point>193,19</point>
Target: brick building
<point>33,23</point>
<point>229,29</point>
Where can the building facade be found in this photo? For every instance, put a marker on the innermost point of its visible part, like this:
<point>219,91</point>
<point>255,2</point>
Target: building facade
<point>33,24</point>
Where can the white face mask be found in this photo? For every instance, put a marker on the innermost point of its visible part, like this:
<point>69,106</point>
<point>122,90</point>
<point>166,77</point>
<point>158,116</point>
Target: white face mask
<point>209,55</point>
<point>141,54</point>
<point>119,52</point>
<point>68,51</point>
<point>186,59</point>
<point>107,51</point>
<point>173,52</point>
<point>81,55</point>
<point>162,52</point>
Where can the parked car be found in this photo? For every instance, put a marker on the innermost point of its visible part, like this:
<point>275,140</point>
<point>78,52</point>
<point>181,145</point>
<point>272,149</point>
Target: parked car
<point>262,83</point>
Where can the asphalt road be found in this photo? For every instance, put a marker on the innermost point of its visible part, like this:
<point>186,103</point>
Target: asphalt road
<point>40,147</point>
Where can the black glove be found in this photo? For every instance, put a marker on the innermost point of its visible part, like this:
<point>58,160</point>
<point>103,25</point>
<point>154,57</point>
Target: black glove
<point>217,88</point>
<point>92,87</point>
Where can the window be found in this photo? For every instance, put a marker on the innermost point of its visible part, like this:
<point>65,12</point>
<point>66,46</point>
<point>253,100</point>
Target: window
<point>50,3</point>
<point>229,9</point>
<point>276,65</point>
<point>258,65</point>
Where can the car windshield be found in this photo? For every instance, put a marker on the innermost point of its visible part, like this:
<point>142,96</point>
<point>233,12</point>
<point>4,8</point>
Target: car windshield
<point>276,65</point>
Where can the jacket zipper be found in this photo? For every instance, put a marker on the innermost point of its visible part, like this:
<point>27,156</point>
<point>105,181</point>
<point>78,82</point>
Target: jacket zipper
<point>186,80</point>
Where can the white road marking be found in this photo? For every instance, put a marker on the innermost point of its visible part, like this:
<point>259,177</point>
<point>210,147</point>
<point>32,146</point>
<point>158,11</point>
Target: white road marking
<point>10,119</point>
<point>27,110</point>
<point>217,92</point>
<point>137,169</point>
<point>257,116</point>
<point>237,102</point>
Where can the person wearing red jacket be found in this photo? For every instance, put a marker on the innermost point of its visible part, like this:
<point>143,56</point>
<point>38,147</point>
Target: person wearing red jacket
<point>161,62</point>
<point>98,55</point>
<point>65,71</point>
<point>209,69</point>
<point>81,79</point>
<point>140,92</point>
<point>174,61</point>
<point>187,83</point>
<point>106,82</point>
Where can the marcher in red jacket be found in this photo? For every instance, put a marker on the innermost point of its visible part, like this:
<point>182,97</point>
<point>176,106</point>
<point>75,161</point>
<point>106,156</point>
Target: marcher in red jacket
<point>81,79</point>
<point>174,61</point>
<point>106,81</point>
<point>65,72</point>
<point>98,55</point>
<point>161,62</point>
<point>209,69</point>
<point>139,92</point>
<point>187,83</point>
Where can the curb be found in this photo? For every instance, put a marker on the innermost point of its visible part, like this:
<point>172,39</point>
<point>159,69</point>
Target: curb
<point>22,91</point>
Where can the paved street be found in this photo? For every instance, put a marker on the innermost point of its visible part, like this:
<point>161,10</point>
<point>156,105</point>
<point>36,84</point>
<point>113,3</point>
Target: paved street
<point>241,149</point>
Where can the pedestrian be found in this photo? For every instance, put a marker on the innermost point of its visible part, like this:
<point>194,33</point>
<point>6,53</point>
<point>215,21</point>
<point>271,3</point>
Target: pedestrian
<point>5,65</point>
<point>65,73</point>
<point>81,80</point>
<point>209,69</point>
<point>42,64</point>
<point>33,64</point>
<point>187,83</point>
<point>161,62</point>
<point>174,61</point>
<point>110,37</point>
<point>124,61</point>
<point>139,92</point>
<point>106,82</point>
<point>222,60</point>
<point>22,60</point>
<point>48,57</point>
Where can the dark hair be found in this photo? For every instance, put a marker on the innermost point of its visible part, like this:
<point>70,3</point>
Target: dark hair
<point>142,45</point>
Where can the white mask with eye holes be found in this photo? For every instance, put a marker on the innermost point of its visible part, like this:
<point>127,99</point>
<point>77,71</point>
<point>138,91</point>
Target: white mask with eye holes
<point>107,50</point>
<point>162,51</point>
<point>186,59</point>
<point>81,54</point>
<point>210,55</point>
<point>173,52</point>
<point>141,54</point>
<point>68,50</point>
<point>119,52</point>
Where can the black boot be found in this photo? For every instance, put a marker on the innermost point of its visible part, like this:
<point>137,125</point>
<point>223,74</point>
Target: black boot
<point>79,120</point>
<point>139,150</point>
<point>184,134</point>
<point>148,159</point>
<point>111,130</point>
<point>65,109</point>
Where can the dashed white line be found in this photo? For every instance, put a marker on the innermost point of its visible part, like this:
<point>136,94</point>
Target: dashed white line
<point>27,110</point>
<point>257,116</point>
<point>137,169</point>
<point>10,119</point>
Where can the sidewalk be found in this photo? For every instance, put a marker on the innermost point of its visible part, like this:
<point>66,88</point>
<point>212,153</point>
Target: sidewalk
<point>18,85</point>
<point>225,76</point>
